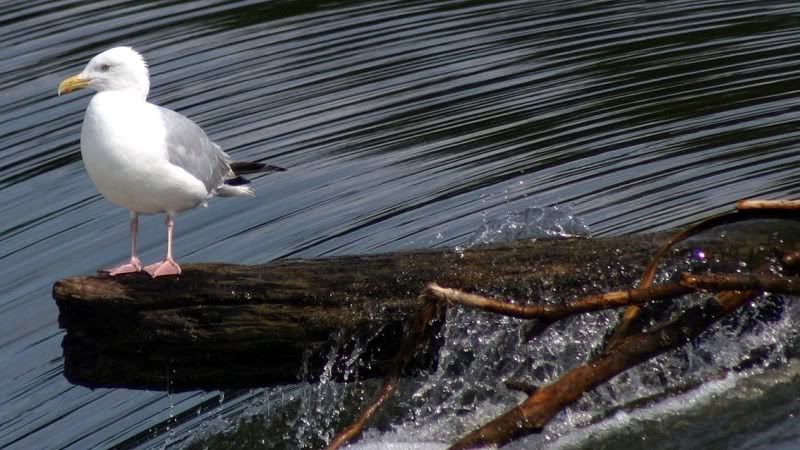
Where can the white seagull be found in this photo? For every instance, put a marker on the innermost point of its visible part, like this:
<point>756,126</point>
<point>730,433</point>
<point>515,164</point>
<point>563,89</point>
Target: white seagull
<point>146,158</point>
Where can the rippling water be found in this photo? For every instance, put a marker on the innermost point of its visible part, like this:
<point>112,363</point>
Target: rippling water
<point>403,124</point>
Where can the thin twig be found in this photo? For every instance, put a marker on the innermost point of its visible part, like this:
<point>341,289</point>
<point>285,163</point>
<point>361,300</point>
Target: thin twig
<point>742,282</point>
<point>768,204</point>
<point>552,312</point>
<point>522,386</point>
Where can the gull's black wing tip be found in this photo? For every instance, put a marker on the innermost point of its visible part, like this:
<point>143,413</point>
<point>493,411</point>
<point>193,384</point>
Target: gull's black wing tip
<point>269,168</point>
<point>245,167</point>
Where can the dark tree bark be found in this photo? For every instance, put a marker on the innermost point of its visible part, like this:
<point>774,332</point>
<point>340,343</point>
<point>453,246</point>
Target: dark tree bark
<point>230,326</point>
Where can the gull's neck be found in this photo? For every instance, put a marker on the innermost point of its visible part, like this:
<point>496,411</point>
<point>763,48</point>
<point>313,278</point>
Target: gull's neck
<point>110,103</point>
<point>134,92</point>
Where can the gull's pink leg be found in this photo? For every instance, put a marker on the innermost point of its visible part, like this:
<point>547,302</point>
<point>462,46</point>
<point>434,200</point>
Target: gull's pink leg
<point>134,265</point>
<point>168,266</point>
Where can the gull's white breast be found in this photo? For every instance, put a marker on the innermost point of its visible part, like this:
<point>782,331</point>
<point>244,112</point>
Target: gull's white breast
<point>124,148</point>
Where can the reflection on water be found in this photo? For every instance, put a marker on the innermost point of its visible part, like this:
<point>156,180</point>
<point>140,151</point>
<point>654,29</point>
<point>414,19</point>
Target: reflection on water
<point>402,124</point>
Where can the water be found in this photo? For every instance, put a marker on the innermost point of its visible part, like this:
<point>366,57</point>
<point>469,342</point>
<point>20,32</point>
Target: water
<point>403,124</point>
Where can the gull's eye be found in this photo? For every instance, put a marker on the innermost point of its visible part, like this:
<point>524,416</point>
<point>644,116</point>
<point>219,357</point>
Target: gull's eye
<point>105,67</point>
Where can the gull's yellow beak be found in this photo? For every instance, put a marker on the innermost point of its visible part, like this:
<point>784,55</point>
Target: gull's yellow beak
<point>72,84</point>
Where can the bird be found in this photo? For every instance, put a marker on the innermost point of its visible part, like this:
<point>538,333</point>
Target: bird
<point>147,158</point>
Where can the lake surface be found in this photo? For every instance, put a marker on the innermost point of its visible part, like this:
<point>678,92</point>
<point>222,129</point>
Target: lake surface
<point>406,124</point>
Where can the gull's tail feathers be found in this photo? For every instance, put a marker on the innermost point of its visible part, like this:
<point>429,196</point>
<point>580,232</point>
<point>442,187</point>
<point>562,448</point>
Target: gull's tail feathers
<point>235,187</point>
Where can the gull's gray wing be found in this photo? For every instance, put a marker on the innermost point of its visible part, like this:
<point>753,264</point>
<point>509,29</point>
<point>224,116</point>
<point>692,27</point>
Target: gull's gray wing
<point>189,147</point>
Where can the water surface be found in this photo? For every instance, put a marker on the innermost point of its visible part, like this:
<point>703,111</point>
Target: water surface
<point>403,124</point>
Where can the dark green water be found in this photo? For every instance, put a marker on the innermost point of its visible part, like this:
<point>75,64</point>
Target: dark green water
<point>405,124</point>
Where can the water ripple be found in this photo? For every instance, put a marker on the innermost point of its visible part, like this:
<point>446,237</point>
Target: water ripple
<point>402,124</point>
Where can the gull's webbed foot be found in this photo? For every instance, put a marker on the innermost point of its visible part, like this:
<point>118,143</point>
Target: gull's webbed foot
<point>164,268</point>
<point>132,267</point>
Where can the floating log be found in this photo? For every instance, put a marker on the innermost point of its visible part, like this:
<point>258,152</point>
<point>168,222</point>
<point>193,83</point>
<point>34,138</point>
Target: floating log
<point>233,326</point>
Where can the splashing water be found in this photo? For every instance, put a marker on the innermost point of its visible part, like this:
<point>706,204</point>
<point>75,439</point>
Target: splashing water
<point>530,223</point>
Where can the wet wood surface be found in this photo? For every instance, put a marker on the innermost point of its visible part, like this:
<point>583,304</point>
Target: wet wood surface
<point>233,326</point>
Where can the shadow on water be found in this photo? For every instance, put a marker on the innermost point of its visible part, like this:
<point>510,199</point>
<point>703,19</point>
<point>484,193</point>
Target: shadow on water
<point>403,124</point>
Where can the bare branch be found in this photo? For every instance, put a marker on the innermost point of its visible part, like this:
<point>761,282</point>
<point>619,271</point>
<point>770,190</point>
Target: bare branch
<point>768,204</point>
<point>740,282</point>
<point>552,312</point>
<point>522,386</point>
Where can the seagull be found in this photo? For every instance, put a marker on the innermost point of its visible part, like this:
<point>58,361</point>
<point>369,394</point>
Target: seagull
<point>146,158</point>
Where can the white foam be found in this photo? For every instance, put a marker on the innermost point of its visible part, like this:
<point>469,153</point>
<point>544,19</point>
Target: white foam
<point>624,420</point>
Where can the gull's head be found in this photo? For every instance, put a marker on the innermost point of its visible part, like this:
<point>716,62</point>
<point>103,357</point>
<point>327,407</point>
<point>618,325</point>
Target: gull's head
<point>116,69</point>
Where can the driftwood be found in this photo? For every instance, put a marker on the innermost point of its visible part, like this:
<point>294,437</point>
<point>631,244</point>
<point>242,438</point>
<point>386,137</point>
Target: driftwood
<point>230,326</point>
